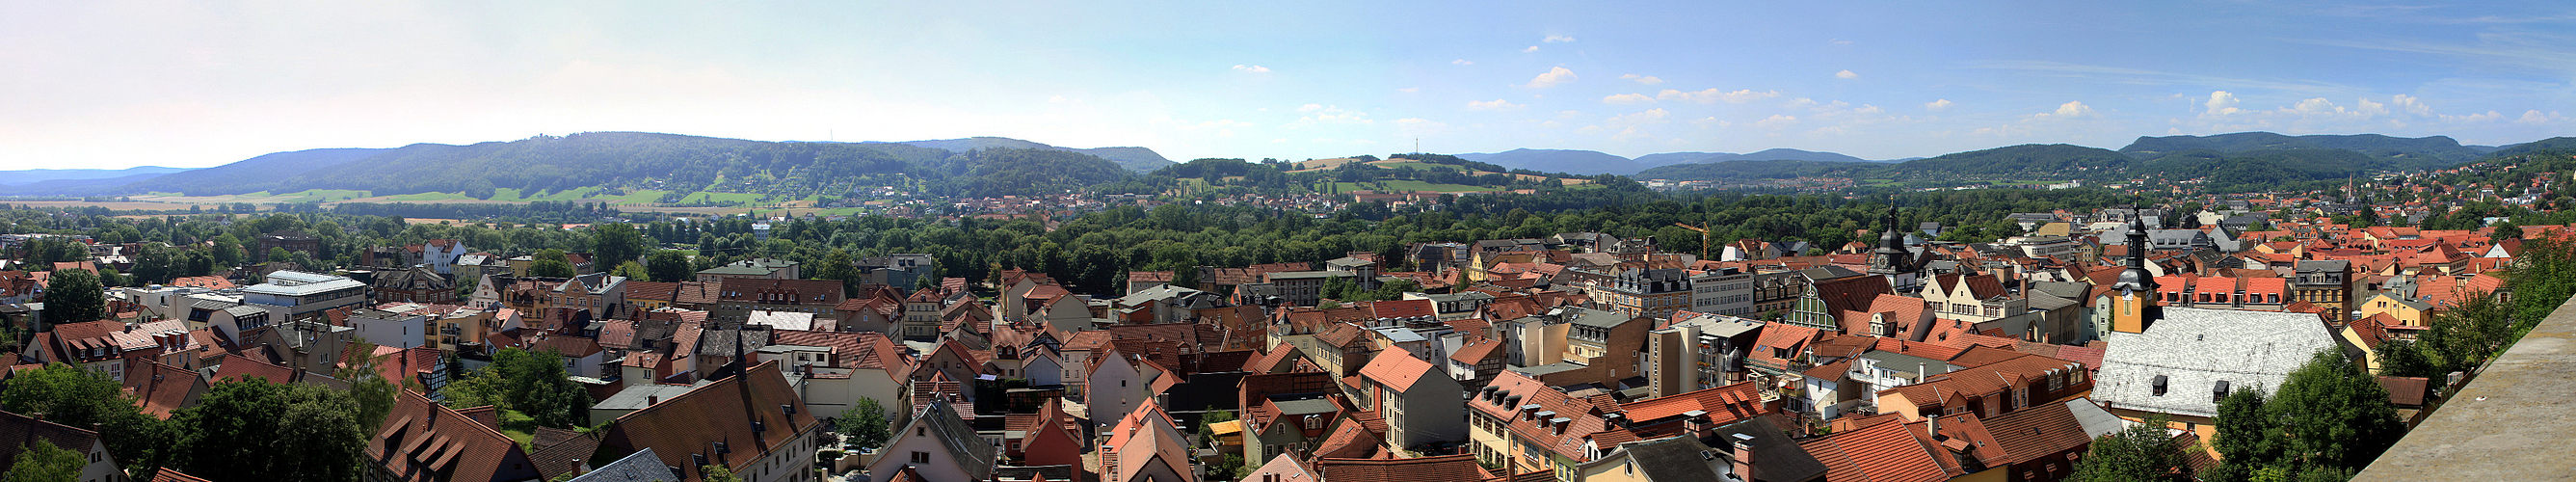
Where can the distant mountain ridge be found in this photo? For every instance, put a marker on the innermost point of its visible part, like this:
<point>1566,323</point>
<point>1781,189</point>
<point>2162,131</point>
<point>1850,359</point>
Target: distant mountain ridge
<point>641,160</point>
<point>32,176</point>
<point>2414,150</point>
<point>1596,162</point>
<point>1773,154</point>
<point>1557,160</point>
<point>1133,158</point>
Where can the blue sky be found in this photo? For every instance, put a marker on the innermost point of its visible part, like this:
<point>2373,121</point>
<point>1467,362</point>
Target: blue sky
<point>113,84</point>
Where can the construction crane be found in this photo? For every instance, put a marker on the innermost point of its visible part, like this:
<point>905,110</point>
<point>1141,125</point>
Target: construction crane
<point>1703,239</point>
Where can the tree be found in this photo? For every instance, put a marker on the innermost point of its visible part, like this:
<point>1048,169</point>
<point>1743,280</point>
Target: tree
<point>44,462</point>
<point>367,387</point>
<point>866,424</point>
<point>2406,358</point>
<point>2140,452</point>
<point>2504,231</point>
<point>615,243</point>
<point>250,429</point>
<point>2247,437</point>
<point>668,266</point>
<point>533,383</point>
<point>632,271</point>
<point>838,266</point>
<point>551,263</point>
<point>76,397</point>
<point>74,296</point>
<point>2333,414</point>
<point>717,473</point>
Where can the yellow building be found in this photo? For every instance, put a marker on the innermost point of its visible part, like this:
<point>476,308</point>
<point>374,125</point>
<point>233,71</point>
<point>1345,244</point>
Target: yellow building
<point>2406,312</point>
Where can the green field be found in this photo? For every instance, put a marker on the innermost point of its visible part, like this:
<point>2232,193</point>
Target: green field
<point>1404,185</point>
<point>646,196</point>
<point>1417,165</point>
<point>720,197</point>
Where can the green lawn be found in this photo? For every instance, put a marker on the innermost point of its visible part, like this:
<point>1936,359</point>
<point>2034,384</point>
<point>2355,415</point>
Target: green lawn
<point>520,427</point>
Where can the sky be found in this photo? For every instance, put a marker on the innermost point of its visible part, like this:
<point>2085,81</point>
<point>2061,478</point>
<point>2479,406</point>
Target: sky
<point>109,84</point>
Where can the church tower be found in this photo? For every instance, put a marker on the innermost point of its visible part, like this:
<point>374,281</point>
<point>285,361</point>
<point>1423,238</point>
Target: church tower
<point>1891,258</point>
<point>2134,304</point>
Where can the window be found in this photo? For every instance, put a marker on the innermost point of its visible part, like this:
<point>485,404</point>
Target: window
<point>920,457</point>
<point>920,431</point>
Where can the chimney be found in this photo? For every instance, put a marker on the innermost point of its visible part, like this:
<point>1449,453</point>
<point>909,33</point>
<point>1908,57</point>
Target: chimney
<point>651,400</point>
<point>1697,423</point>
<point>1743,456</point>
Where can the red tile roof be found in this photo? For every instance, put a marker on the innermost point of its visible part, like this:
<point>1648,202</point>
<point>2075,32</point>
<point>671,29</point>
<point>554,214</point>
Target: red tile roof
<point>167,474</point>
<point>1983,381</point>
<point>1885,452</point>
<point>421,440</point>
<point>1460,467</point>
<point>161,389</point>
<point>2040,431</point>
<point>1397,369</point>
<point>1476,352</point>
<point>721,411</point>
<point>652,290</point>
<point>241,367</point>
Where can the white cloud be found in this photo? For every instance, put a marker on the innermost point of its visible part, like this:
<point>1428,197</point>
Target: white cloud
<point>1713,95</point>
<point>2220,103</point>
<point>1937,105</point>
<point>2071,109</point>
<point>1057,99</point>
<point>1776,120</point>
<point>1557,39</point>
<point>1846,75</point>
<point>1251,68</point>
<point>2410,104</point>
<point>1496,104</point>
<point>2316,106</point>
<point>1554,77</point>
<point>2536,117</point>
<point>1531,49</point>
<point>1628,99</point>
<point>1310,107</point>
<point>1643,79</point>
<point>1462,62</point>
<point>2489,116</point>
<point>1866,109</point>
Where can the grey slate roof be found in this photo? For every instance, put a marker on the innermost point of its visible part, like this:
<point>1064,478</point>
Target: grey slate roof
<point>1673,459</point>
<point>1599,318</point>
<point>1775,456</point>
<point>969,449</point>
<point>2096,421</point>
<point>641,466</point>
<point>2196,348</point>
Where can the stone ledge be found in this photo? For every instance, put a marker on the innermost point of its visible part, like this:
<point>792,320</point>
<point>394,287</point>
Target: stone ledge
<point>2511,423</point>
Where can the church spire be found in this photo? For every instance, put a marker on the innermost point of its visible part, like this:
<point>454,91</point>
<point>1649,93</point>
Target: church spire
<point>2135,306</point>
<point>1891,257</point>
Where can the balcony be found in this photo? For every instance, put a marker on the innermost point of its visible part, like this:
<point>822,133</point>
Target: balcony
<point>2508,424</point>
